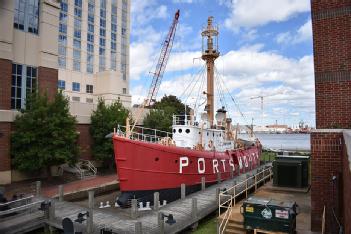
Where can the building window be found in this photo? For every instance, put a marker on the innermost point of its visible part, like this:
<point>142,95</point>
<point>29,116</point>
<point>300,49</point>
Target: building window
<point>102,40</point>
<point>76,99</point>
<point>89,100</point>
<point>90,89</point>
<point>90,37</point>
<point>62,42</point>
<point>124,39</point>
<point>77,34</point>
<point>61,84</point>
<point>113,57</point>
<point>124,91</point>
<point>24,82</point>
<point>76,86</point>
<point>27,15</point>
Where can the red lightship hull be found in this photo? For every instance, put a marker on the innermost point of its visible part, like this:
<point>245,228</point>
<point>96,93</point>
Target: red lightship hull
<point>144,168</point>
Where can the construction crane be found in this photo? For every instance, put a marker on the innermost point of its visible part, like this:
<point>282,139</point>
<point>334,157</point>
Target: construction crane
<point>262,97</point>
<point>160,67</point>
<point>162,61</point>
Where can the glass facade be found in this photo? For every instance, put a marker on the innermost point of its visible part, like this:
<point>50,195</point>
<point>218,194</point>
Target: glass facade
<point>90,37</point>
<point>27,15</point>
<point>124,39</point>
<point>113,58</point>
<point>102,41</point>
<point>62,40</point>
<point>77,34</point>
<point>24,82</point>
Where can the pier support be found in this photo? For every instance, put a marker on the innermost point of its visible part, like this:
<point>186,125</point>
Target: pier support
<point>218,190</point>
<point>51,210</point>
<point>156,200</point>
<point>182,191</point>
<point>231,173</point>
<point>60,192</point>
<point>194,208</point>
<point>90,221</point>
<point>203,183</point>
<point>138,228</point>
<point>219,177</point>
<point>161,224</point>
<point>37,188</point>
<point>134,209</point>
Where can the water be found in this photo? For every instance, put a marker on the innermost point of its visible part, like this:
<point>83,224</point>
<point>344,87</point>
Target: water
<point>298,142</point>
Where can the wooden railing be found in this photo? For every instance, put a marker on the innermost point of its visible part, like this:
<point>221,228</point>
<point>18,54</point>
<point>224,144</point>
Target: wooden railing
<point>227,198</point>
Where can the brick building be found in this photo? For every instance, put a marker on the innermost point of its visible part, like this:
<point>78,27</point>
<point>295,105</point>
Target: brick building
<point>81,47</point>
<point>331,22</point>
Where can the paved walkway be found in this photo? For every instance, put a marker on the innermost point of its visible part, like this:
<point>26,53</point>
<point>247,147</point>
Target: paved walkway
<point>81,185</point>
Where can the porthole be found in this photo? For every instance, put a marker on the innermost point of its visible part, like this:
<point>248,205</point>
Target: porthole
<point>187,130</point>
<point>180,130</point>
<point>156,159</point>
<point>176,161</point>
<point>174,131</point>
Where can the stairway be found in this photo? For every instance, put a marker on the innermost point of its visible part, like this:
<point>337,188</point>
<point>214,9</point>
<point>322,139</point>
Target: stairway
<point>235,224</point>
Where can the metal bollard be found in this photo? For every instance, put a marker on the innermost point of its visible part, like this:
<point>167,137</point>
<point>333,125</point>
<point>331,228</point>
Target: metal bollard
<point>182,191</point>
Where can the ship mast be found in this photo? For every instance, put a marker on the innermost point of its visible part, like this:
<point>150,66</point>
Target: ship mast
<point>209,54</point>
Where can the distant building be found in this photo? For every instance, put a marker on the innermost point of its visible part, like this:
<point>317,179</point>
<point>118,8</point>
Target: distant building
<point>81,47</point>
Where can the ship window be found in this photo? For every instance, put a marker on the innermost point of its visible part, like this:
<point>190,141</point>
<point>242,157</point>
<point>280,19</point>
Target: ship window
<point>220,134</point>
<point>212,134</point>
<point>207,133</point>
<point>187,130</point>
<point>174,131</point>
<point>180,130</point>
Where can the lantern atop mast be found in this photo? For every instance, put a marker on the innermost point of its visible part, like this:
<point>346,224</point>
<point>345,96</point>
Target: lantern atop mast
<point>209,54</point>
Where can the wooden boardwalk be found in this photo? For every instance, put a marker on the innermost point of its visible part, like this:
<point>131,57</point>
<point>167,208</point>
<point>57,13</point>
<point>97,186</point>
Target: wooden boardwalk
<point>186,212</point>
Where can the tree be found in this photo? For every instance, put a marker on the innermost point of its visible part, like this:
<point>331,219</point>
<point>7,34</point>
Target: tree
<point>160,117</point>
<point>45,134</point>
<point>103,120</point>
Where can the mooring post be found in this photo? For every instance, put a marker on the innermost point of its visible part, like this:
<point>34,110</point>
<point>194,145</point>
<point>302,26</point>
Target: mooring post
<point>134,208</point>
<point>182,191</point>
<point>194,208</point>
<point>218,177</point>
<point>203,183</point>
<point>218,190</point>
<point>61,192</point>
<point>161,224</point>
<point>255,182</point>
<point>37,188</point>
<point>246,187</point>
<point>234,192</point>
<point>231,173</point>
<point>52,210</point>
<point>90,221</point>
<point>138,228</point>
<point>156,200</point>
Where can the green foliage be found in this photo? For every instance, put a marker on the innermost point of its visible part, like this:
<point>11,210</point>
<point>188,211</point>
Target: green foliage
<point>45,134</point>
<point>161,116</point>
<point>103,120</point>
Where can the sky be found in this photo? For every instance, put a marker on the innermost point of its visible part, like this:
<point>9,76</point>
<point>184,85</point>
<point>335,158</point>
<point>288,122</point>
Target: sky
<point>265,47</point>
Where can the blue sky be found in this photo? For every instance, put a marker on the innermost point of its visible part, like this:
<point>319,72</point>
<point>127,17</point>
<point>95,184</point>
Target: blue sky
<point>265,46</point>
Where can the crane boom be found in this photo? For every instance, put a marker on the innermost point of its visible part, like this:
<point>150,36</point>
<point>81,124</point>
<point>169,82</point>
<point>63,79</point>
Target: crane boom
<point>162,61</point>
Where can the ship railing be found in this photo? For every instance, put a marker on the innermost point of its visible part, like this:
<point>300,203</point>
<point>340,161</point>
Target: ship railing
<point>144,134</point>
<point>188,120</point>
<point>228,198</point>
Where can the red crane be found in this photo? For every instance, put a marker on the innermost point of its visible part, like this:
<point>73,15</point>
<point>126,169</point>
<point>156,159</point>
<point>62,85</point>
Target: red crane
<point>162,61</point>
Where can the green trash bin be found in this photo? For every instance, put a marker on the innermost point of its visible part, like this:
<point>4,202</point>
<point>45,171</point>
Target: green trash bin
<point>269,215</point>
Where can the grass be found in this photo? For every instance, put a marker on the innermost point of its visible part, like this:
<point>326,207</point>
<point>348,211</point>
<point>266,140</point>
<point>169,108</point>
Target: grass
<point>207,226</point>
<point>268,156</point>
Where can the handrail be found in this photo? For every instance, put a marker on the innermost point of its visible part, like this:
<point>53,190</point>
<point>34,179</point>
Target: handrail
<point>20,208</point>
<point>229,195</point>
<point>142,136</point>
<point>17,200</point>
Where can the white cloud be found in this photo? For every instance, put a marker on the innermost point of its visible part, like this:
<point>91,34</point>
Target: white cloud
<point>143,11</point>
<point>253,13</point>
<point>304,33</point>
